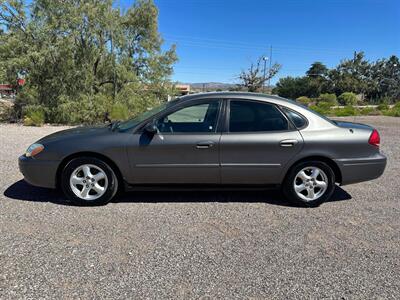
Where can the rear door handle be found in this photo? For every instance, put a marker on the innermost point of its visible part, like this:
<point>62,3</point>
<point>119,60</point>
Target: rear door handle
<point>288,143</point>
<point>204,145</point>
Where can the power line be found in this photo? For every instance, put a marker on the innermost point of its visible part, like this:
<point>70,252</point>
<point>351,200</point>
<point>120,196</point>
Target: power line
<point>244,45</point>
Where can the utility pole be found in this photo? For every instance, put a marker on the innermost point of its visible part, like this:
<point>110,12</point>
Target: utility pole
<point>270,66</point>
<point>265,68</point>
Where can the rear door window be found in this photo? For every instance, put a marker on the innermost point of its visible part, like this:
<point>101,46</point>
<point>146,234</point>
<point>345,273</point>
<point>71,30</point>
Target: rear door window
<point>251,116</point>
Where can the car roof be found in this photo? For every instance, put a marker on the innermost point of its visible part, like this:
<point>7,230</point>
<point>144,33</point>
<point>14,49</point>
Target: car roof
<point>227,94</point>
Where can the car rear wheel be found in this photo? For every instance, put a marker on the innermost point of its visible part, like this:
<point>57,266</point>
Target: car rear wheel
<point>89,181</point>
<point>309,183</point>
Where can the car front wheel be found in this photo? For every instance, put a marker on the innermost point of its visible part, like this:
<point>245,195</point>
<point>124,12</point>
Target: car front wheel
<point>309,183</point>
<point>88,181</point>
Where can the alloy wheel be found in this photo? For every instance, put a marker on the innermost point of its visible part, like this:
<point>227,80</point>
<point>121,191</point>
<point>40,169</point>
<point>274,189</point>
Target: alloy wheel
<point>88,182</point>
<point>310,183</point>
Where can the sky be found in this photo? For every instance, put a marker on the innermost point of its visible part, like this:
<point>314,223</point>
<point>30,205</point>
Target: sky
<point>216,39</point>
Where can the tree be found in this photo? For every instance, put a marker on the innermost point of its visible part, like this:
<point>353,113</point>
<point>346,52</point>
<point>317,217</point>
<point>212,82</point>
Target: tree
<point>84,54</point>
<point>384,79</point>
<point>310,86</point>
<point>317,69</point>
<point>253,79</point>
<point>350,75</point>
<point>318,82</point>
<point>294,87</point>
<point>374,81</point>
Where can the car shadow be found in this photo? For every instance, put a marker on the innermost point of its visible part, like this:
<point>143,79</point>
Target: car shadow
<point>21,190</point>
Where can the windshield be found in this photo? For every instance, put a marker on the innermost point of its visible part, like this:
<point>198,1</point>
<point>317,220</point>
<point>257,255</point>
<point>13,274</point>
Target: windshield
<point>143,116</point>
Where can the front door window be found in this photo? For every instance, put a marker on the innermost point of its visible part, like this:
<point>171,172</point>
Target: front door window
<point>200,118</point>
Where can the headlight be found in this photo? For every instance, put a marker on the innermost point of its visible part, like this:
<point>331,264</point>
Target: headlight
<point>34,149</point>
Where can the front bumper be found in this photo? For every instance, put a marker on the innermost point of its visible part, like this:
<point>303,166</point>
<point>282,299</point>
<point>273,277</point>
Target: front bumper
<point>38,172</point>
<point>361,169</point>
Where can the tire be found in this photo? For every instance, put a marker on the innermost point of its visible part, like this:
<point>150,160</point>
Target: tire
<point>304,186</point>
<point>89,181</point>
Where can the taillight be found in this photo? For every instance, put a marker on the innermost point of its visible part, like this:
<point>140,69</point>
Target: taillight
<point>374,139</point>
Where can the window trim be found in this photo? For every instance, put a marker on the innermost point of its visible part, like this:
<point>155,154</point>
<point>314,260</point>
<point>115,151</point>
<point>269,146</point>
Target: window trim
<point>306,123</point>
<point>291,127</point>
<point>183,105</point>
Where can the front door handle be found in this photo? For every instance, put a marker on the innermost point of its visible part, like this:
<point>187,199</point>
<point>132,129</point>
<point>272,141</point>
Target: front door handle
<point>204,145</point>
<point>288,143</point>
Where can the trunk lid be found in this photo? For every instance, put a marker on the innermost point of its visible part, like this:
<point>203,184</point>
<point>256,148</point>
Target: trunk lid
<point>352,125</point>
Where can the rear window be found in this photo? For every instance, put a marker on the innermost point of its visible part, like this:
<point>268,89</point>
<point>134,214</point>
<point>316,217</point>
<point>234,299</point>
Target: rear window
<point>250,116</point>
<point>297,119</point>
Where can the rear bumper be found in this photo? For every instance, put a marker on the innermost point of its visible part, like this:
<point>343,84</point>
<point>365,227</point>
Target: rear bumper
<point>361,169</point>
<point>38,172</point>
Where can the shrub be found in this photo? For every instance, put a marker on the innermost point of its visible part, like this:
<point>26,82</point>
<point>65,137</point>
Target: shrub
<point>395,112</point>
<point>119,112</point>
<point>304,100</point>
<point>137,101</point>
<point>323,108</point>
<point>318,109</point>
<point>392,112</point>
<point>348,98</point>
<point>324,105</point>
<point>383,106</point>
<point>34,115</point>
<point>87,109</point>
<point>346,111</point>
<point>328,98</point>
<point>26,97</point>
<point>6,111</point>
<point>369,111</point>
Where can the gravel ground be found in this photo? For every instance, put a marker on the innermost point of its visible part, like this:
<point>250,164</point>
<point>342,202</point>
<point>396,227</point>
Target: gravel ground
<point>199,245</point>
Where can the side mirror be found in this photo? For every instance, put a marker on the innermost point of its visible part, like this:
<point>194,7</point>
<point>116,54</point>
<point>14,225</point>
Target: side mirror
<point>151,128</point>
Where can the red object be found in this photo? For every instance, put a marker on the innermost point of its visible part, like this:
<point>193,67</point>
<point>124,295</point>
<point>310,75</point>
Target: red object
<point>6,87</point>
<point>20,81</point>
<point>374,139</point>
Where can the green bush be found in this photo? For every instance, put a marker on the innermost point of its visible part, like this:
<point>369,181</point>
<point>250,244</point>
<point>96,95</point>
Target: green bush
<point>346,111</point>
<point>304,100</point>
<point>137,101</point>
<point>369,111</point>
<point>383,106</point>
<point>87,109</point>
<point>348,98</point>
<point>34,115</point>
<point>119,112</point>
<point>328,98</point>
<point>396,112</point>
<point>324,105</point>
<point>392,112</point>
<point>6,111</point>
<point>26,97</point>
<point>322,109</point>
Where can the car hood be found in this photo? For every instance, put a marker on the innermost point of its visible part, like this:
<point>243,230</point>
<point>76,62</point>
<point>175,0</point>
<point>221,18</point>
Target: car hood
<point>75,133</point>
<point>345,124</point>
